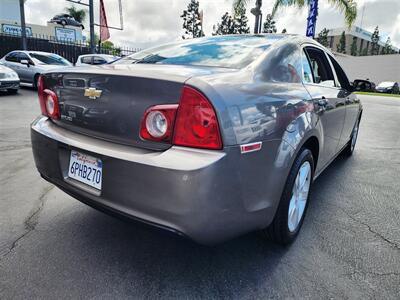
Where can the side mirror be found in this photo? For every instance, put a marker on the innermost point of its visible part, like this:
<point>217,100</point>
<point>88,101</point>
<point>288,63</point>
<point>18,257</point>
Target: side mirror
<point>25,62</point>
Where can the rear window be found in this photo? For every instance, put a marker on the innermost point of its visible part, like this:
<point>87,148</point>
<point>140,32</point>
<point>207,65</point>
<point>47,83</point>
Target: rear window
<point>227,52</point>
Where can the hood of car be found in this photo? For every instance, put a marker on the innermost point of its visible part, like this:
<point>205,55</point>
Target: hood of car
<point>4,69</point>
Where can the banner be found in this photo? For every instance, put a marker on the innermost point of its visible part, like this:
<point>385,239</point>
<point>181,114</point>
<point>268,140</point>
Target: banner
<point>312,18</point>
<point>104,32</point>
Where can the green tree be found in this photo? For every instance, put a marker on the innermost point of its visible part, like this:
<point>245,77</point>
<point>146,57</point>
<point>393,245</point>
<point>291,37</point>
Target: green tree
<point>77,14</point>
<point>323,37</point>
<point>364,52</point>
<point>227,25</point>
<point>353,49</point>
<point>240,19</point>
<point>341,47</point>
<point>375,42</point>
<point>192,21</point>
<point>269,25</point>
<point>284,31</point>
<point>348,7</point>
<point>387,49</point>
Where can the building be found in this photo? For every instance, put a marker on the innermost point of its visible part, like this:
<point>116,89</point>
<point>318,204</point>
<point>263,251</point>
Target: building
<point>362,38</point>
<point>10,24</point>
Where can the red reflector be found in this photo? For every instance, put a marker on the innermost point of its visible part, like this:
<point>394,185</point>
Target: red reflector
<point>250,147</point>
<point>196,122</point>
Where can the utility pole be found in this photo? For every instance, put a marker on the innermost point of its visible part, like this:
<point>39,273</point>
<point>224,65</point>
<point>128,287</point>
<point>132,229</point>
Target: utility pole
<point>91,22</point>
<point>23,26</point>
<point>256,11</point>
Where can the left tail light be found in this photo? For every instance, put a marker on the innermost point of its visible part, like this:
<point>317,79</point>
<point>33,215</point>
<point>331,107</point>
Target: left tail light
<point>48,100</point>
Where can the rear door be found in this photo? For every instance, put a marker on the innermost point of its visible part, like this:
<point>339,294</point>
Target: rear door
<point>320,82</point>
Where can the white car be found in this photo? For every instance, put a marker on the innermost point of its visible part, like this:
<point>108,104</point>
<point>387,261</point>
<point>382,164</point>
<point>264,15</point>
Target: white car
<point>95,59</point>
<point>9,80</point>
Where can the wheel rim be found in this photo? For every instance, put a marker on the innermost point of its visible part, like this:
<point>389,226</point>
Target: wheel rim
<point>300,191</point>
<point>354,137</point>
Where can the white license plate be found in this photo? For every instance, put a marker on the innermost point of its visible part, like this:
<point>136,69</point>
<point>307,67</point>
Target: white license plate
<point>86,169</point>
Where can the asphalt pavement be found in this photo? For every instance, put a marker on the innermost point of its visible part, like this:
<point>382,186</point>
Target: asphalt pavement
<point>54,247</point>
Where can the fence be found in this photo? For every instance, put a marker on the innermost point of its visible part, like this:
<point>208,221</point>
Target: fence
<point>67,49</point>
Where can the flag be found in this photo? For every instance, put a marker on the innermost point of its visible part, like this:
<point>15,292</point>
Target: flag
<point>104,32</point>
<point>312,18</point>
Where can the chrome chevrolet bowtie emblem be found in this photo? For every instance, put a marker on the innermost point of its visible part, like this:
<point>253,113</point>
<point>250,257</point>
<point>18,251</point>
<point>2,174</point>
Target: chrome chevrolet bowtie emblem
<point>92,93</point>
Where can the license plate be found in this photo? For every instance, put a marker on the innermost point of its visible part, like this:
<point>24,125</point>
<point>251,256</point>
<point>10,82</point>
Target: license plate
<point>86,169</point>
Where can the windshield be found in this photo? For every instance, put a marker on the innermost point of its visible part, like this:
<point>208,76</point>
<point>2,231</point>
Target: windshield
<point>386,84</point>
<point>227,52</point>
<point>50,59</point>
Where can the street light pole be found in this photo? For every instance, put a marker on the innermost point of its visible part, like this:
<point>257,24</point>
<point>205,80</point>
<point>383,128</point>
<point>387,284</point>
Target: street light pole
<point>256,11</point>
<point>91,22</point>
<point>23,26</point>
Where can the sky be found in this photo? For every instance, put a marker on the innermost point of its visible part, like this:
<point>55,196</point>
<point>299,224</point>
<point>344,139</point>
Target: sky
<point>152,22</point>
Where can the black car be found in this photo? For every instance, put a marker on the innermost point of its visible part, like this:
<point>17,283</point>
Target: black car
<point>362,85</point>
<point>66,19</point>
<point>388,87</point>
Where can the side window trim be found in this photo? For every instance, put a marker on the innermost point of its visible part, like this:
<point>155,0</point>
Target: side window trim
<point>337,83</point>
<point>304,54</point>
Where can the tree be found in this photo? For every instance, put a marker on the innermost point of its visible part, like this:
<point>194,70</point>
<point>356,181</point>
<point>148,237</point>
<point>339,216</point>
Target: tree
<point>353,49</point>
<point>348,7</point>
<point>269,25</point>
<point>77,14</point>
<point>375,42</point>
<point>240,19</point>
<point>341,47</point>
<point>323,37</point>
<point>192,23</point>
<point>284,31</point>
<point>227,25</point>
<point>387,49</point>
<point>364,52</point>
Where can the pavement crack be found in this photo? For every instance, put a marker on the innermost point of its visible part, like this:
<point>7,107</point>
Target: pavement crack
<point>352,273</point>
<point>381,236</point>
<point>30,221</point>
<point>15,147</point>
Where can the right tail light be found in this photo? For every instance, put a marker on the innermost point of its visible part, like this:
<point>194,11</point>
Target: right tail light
<point>192,123</point>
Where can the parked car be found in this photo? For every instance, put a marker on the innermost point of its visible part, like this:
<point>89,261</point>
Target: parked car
<point>30,64</point>
<point>9,80</point>
<point>208,138</point>
<point>388,87</point>
<point>66,19</point>
<point>95,59</point>
<point>361,85</point>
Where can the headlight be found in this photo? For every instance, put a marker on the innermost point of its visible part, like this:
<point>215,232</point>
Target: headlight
<point>12,75</point>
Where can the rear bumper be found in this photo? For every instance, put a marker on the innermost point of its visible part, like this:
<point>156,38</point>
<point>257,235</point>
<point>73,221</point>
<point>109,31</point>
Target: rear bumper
<point>195,193</point>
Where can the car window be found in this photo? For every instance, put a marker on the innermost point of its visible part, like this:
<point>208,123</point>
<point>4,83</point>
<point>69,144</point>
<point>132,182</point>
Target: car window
<point>341,75</point>
<point>97,60</point>
<point>321,69</point>
<point>50,59</point>
<point>307,72</point>
<point>86,60</point>
<point>12,57</point>
<point>228,51</point>
<point>23,56</point>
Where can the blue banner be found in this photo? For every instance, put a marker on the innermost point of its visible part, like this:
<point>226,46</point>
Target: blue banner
<point>312,18</point>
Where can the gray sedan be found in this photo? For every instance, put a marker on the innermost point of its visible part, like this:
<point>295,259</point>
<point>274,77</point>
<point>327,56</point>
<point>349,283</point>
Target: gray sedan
<point>9,80</point>
<point>208,138</point>
<point>30,64</point>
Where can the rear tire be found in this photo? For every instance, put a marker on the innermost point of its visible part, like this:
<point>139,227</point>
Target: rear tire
<point>294,201</point>
<point>349,149</point>
<point>36,81</point>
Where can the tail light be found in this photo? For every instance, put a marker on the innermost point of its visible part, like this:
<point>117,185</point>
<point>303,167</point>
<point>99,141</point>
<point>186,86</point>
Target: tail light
<point>48,100</point>
<point>191,124</point>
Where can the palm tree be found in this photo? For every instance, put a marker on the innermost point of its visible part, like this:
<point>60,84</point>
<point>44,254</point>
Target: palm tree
<point>348,7</point>
<point>77,14</point>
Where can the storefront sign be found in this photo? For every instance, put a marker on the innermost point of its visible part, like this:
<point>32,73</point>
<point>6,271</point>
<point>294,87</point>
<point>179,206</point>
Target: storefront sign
<point>65,34</point>
<point>15,29</point>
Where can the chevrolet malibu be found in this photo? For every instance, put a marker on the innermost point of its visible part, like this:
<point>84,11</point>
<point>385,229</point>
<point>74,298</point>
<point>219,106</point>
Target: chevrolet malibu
<point>209,138</point>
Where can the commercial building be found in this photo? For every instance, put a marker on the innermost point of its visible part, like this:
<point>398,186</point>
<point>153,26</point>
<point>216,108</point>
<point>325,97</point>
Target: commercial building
<point>10,24</point>
<point>360,36</point>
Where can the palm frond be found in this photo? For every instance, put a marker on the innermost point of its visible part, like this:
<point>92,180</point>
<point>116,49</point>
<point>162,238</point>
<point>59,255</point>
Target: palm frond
<point>280,3</point>
<point>348,7</point>
<point>238,3</point>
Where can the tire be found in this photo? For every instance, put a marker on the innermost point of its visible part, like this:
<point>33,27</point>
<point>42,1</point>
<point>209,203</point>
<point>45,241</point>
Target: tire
<point>35,81</point>
<point>12,91</point>
<point>349,149</point>
<point>283,230</point>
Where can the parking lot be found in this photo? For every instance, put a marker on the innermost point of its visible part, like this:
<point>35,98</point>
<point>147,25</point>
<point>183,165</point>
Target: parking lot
<point>52,246</point>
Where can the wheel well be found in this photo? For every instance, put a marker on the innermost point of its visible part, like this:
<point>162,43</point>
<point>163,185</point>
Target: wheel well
<point>313,145</point>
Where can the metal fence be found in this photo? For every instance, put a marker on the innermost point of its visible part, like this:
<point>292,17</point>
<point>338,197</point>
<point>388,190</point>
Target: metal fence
<point>67,49</point>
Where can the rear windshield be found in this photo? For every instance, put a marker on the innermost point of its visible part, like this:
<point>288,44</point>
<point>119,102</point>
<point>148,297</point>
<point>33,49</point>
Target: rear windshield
<point>227,52</point>
<point>50,59</point>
